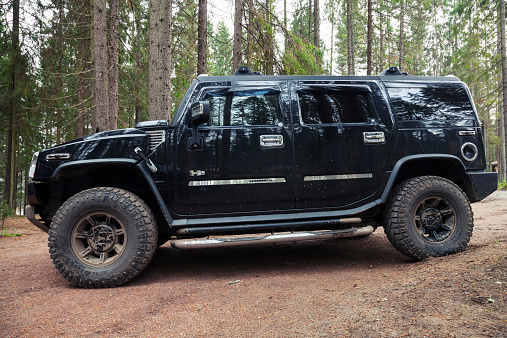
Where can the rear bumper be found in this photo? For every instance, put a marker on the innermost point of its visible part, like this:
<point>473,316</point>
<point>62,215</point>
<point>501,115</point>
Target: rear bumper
<point>482,184</point>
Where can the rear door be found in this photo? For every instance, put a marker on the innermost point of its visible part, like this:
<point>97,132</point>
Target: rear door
<point>246,162</point>
<point>343,135</point>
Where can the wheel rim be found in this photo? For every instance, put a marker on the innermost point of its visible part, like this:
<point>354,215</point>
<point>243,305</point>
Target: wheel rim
<point>99,239</point>
<point>435,219</point>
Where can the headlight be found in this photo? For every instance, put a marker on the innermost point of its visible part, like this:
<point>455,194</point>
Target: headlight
<point>33,165</point>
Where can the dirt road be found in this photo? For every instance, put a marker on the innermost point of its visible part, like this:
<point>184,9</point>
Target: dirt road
<point>348,287</point>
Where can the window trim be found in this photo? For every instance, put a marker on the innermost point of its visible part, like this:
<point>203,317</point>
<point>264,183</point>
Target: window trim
<point>367,91</point>
<point>243,88</point>
<point>438,85</point>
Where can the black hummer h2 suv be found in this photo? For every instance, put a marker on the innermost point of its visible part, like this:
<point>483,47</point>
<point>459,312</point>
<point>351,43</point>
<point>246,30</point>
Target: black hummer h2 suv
<point>257,159</point>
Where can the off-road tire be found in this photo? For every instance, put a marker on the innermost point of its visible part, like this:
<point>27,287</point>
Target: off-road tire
<point>113,232</point>
<point>413,212</point>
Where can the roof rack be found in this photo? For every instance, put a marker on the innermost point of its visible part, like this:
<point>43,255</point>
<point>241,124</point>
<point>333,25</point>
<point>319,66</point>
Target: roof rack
<point>393,71</point>
<point>244,70</point>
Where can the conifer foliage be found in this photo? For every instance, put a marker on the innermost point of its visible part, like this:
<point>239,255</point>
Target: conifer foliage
<point>70,68</point>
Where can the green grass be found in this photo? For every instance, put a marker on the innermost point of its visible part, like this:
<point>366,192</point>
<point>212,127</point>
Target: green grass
<point>10,234</point>
<point>502,185</point>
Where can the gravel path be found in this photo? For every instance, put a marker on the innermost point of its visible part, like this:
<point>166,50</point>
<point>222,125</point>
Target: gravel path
<point>347,287</point>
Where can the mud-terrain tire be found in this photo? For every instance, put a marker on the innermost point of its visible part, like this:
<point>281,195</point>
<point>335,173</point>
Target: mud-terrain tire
<point>428,216</point>
<point>102,237</point>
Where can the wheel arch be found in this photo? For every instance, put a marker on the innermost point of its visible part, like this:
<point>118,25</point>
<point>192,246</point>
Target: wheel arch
<point>446,166</point>
<point>73,177</point>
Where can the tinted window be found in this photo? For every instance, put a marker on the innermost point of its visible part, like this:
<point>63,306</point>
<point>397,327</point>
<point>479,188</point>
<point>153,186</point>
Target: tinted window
<point>244,108</point>
<point>431,103</point>
<point>320,106</point>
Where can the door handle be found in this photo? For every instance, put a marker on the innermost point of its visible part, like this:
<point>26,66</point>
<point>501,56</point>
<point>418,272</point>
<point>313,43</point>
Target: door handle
<point>269,141</point>
<point>374,137</point>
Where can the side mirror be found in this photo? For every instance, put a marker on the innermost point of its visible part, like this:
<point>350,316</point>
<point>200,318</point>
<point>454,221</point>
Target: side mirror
<point>200,113</point>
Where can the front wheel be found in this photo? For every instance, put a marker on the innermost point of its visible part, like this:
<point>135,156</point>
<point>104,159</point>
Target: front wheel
<point>102,237</point>
<point>428,216</point>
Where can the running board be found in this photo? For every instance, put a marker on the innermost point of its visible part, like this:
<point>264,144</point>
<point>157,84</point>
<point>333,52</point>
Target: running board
<point>274,238</point>
<point>265,227</point>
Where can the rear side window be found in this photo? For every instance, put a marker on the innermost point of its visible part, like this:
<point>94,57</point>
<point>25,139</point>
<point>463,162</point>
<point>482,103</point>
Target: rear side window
<point>431,103</point>
<point>322,106</point>
<point>244,108</point>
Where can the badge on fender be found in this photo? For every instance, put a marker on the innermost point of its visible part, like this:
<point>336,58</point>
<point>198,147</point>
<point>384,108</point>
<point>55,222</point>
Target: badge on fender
<point>196,173</point>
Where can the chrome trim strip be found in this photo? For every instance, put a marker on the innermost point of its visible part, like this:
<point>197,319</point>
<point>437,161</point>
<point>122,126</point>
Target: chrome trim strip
<point>233,182</point>
<point>336,177</point>
<point>57,156</point>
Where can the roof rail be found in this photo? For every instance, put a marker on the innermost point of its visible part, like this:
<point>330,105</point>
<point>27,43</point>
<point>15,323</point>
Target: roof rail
<point>393,71</point>
<point>244,70</point>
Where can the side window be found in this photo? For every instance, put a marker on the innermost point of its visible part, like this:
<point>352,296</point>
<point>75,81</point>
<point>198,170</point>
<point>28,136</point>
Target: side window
<point>244,108</point>
<point>319,106</point>
<point>430,103</point>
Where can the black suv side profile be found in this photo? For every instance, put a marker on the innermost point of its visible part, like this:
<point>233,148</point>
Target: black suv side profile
<point>256,159</point>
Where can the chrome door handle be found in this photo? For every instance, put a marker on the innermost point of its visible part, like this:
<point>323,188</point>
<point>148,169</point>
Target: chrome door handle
<point>374,137</point>
<point>268,141</point>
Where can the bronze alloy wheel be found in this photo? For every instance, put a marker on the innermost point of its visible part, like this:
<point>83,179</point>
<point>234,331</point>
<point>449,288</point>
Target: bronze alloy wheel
<point>99,239</point>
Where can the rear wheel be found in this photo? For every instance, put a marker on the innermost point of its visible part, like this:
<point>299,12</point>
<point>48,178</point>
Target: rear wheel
<point>428,216</point>
<point>102,237</point>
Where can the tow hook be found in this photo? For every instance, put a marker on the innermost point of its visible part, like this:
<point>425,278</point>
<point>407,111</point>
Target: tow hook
<point>146,160</point>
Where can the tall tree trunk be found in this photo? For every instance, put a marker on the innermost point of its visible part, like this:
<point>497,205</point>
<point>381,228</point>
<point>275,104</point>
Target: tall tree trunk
<point>166,60</point>
<point>236,47</point>
<point>402,32</point>
<point>350,39</point>
<point>369,39</point>
<point>154,56</point>
<point>101,69</point>
<point>503,44</point>
<point>202,33</point>
<point>332,44</point>
<point>91,83</point>
<point>285,33</point>
<point>316,29</point>
<point>113,64</point>
<point>82,65</point>
<point>10,170</point>
<point>381,39</point>
<point>269,44</point>
<point>59,70</point>
<point>310,20</point>
<point>159,73</point>
<point>316,24</point>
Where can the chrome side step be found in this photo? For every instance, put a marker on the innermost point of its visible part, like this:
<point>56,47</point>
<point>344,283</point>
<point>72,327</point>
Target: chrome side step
<point>274,238</point>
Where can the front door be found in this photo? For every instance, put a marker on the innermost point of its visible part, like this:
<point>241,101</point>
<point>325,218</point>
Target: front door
<point>246,160</point>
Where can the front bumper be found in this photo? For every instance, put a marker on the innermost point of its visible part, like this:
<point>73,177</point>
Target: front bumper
<point>30,214</point>
<point>33,199</point>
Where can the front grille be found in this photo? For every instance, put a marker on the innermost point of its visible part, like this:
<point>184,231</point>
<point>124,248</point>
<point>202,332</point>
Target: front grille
<point>156,137</point>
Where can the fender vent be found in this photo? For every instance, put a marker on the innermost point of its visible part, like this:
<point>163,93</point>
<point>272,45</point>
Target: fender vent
<point>156,137</point>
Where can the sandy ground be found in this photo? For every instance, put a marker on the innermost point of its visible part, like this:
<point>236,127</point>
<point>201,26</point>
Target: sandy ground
<point>342,288</point>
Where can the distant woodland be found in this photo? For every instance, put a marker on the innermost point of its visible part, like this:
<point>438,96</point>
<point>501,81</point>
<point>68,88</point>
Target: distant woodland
<point>70,68</point>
